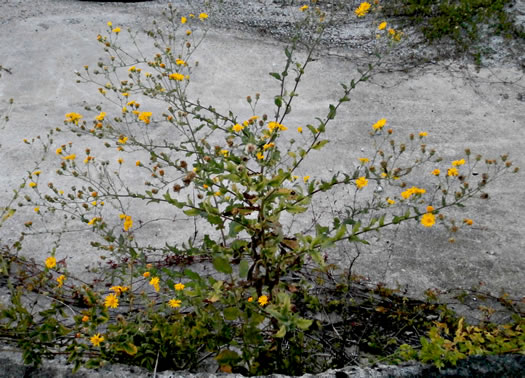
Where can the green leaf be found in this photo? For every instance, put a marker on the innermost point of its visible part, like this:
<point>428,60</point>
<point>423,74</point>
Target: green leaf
<point>281,333</point>
<point>222,265</point>
<point>296,209</point>
<point>275,75</point>
<point>332,112</point>
<point>231,313</point>
<point>129,348</point>
<point>227,356</point>
<point>192,212</point>
<point>244,267</point>
<point>278,101</point>
<point>303,323</point>
<point>320,144</point>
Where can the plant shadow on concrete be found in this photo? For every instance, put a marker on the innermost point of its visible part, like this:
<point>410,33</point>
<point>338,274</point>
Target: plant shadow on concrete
<point>252,288</point>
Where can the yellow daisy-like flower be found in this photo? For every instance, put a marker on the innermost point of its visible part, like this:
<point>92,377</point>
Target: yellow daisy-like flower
<point>155,283</point>
<point>37,173</point>
<point>390,201</point>
<point>60,280</point>
<point>430,209</point>
<point>250,299</point>
<point>73,118</point>
<point>457,163</point>
<point>145,117</point>
<point>260,155</point>
<point>237,128</point>
<point>128,222</point>
<point>436,172</point>
<point>299,130</point>
<point>428,220</point>
<point>203,16</point>
<point>363,9</point>
<point>304,7</point>
<point>412,191</point>
<point>119,289</point>
<point>364,160</point>
<point>94,220</point>
<point>120,160</point>
<point>379,124</point>
<point>452,172</point>
<point>110,24</point>
<point>263,300</point>
<point>423,134</point>
<point>122,140</point>
<point>468,221</point>
<point>382,25</point>
<point>32,184</point>
<point>101,116</point>
<point>225,153</point>
<point>268,146</point>
<point>174,303</point>
<point>96,339</point>
<point>183,20</point>
<point>176,76</point>
<point>391,31</point>
<point>306,178</point>
<point>146,274</point>
<point>138,163</point>
<point>275,125</point>
<point>58,151</point>
<point>85,318</point>
<point>179,287</point>
<point>36,209</point>
<point>361,182</point>
<point>51,262</point>
<point>69,157</point>
<point>111,301</point>
<point>116,30</point>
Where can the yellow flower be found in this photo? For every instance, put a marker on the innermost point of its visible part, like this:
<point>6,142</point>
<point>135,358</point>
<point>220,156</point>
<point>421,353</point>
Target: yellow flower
<point>457,163</point>
<point>179,287</point>
<point>268,146</point>
<point>452,172</point>
<point>123,140</point>
<point>183,20</point>
<point>124,109</point>
<point>37,209</point>
<point>391,31</point>
<point>111,301</point>
<point>138,163</point>
<point>361,182</point>
<point>116,30</point>
<point>155,283</point>
<point>382,25</point>
<point>304,7</point>
<point>203,16</point>
<point>110,24</point>
<point>412,191</point>
<point>101,116</point>
<point>58,151</point>
<point>390,201</point>
<point>96,339</point>
<point>188,32</point>
<point>263,300</point>
<point>132,69</point>
<point>176,76</point>
<point>428,220</point>
<point>51,262</point>
<point>362,9</point>
<point>275,125</point>
<point>60,280</point>
<point>85,318</point>
<point>468,221</point>
<point>145,117</point>
<point>119,289</point>
<point>128,223</point>
<point>260,156</point>
<point>125,94</point>
<point>436,172</point>
<point>120,160</point>
<point>250,299</point>
<point>430,209</point>
<point>94,220</point>
<point>237,127</point>
<point>306,178</point>
<point>180,62</point>
<point>299,130</point>
<point>379,124</point>
<point>73,118</point>
<point>174,303</point>
<point>37,173</point>
<point>423,134</point>
<point>225,153</point>
<point>69,157</point>
<point>32,184</point>
<point>364,160</point>
<point>146,274</point>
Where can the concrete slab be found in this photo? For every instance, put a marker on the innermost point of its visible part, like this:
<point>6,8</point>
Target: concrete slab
<point>45,41</point>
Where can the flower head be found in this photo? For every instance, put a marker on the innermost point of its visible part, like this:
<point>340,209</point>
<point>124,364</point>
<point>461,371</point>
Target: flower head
<point>69,157</point>
<point>237,128</point>
<point>32,184</point>
<point>176,76</point>
<point>275,125</point>
<point>263,300</point>
<point>452,172</point>
<point>179,287</point>
<point>304,7</point>
<point>111,301</point>
<point>203,16</point>
<point>436,172</point>
<point>183,20</point>
<point>73,118</point>
<point>155,283</point>
<point>364,160</point>
<point>51,262</point>
<point>174,303</point>
<point>361,182</point>
<point>468,221</point>
<point>96,339</point>
<point>382,25</point>
<point>60,280</point>
<point>363,9</point>
<point>457,163</point>
<point>116,30</point>
<point>145,117</point>
<point>379,124</point>
<point>128,222</point>
<point>428,220</point>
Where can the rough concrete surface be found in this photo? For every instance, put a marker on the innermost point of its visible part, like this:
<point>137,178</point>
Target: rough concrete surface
<point>44,41</point>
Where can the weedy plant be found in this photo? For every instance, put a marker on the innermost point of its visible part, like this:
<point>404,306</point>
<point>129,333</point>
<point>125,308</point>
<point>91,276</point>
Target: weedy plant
<point>249,288</point>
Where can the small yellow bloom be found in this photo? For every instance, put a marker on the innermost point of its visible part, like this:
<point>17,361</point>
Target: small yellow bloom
<point>379,124</point>
<point>120,160</point>
<point>361,182</point>
<point>250,299</point>
<point>119,289</point>
<point>110,24</point>
<point>176,76</point>
<point>69,157</point>
<point>124,109</point>
<point>304,7</point>
<point>37,173</point>
<point>174,303</point>
<point>125,94</point>
<point>260,155</point>
<point>116,30</point>
<point>85,318</point>
<point>423,134</point>
<point>37,209</point>
<point>457,163</point>
<point>58,151</point>
<point>111,301</point>
<point>96,339</point>
<point>452,172</point>
<point>275,125</point>
<point>188,32</point>
<point>237,128</point>
<point>132,69</point>
<point>364,160</point>
<point>73,118</point>
<point>436,172</point>
<point>60,280</point>
<point>179,287</point>
<point>391,31</point>
<point>138,163</point>
<point>145,117</point>
<point>306,178</point>
<point>390,201</point>
<point>123,140</point>
<point>363,9</point>
<point>263,300</point>
<point>101,116</point>
<point>428,220</point>
<point>51,262</point>
<point>128,223</point>
<point>268,146</point>
<point>430,209</point>
<point>225,153</point>
<point>203,16</point>
<point>183,20</point>
<point>146,274</point>
<point>468,221</point>
<point>299,130</point>
<point>382,25</point>
<point>155,283</point>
